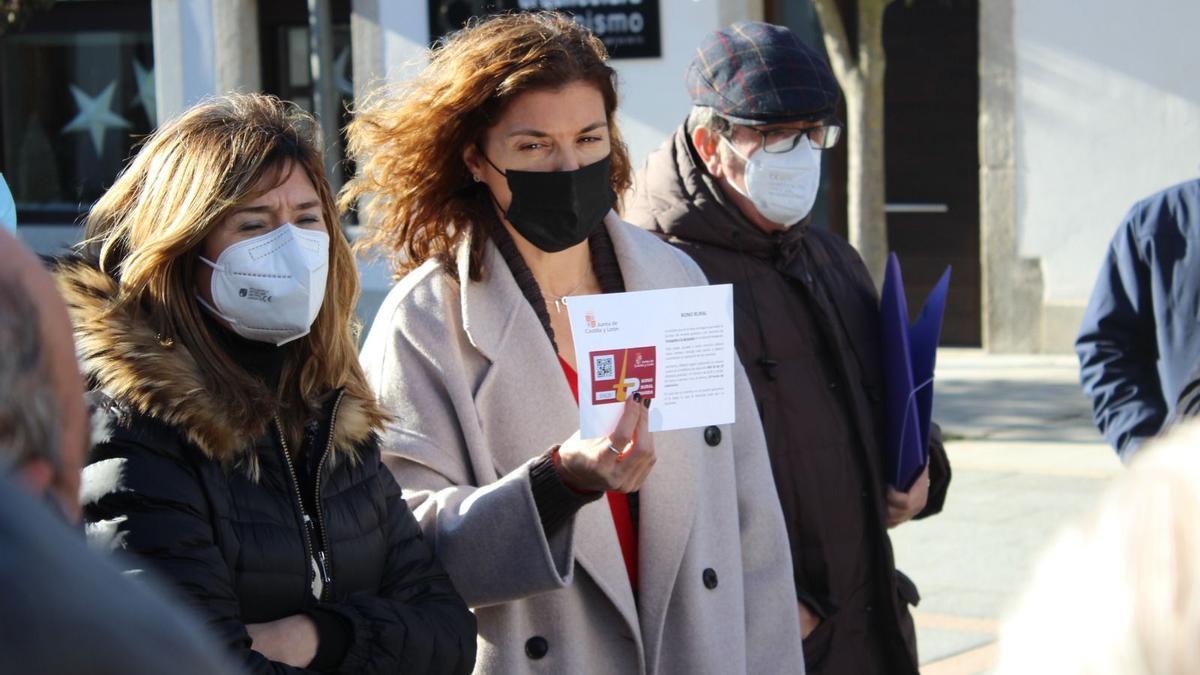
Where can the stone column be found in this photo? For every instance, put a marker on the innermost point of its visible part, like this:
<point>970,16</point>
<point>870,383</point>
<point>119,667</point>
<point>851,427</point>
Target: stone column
<point>388,39</point>
<point>202,48</point>
<point>238,64</point>
<point>1012,286</point>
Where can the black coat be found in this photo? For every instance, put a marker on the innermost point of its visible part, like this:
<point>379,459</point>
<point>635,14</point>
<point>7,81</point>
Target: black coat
<point>807,332</point>
<point>215,508</point>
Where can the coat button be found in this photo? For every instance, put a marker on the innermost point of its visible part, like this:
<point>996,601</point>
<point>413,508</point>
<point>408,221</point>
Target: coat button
<point>710,578</point>
<point>536,647</point>
<point>712,435</point>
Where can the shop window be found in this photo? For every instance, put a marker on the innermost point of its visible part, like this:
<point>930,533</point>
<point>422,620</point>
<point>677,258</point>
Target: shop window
<point>76,93</point>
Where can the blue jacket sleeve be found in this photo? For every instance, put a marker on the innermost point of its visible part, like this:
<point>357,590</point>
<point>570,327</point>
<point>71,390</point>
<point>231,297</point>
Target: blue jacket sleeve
<point>1117,347</point>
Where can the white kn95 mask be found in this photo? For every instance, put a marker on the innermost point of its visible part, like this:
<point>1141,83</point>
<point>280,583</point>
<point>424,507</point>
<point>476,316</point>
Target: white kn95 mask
<point>269,288</point>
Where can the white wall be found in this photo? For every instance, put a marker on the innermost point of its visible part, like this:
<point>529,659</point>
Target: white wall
<point>654,99</point>
<point>1107,112</point>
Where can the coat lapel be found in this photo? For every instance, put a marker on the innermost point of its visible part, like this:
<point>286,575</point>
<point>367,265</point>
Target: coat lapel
<point>525,406</point>
<point>522,399</point>
<point>668,498</point>
<point>667,511</point>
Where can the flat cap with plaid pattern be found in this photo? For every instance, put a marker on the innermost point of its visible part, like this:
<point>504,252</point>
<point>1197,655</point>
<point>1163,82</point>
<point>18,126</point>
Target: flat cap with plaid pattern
<point>757,73</point>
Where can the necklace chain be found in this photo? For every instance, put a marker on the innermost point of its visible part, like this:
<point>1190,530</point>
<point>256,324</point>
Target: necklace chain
<point>561,300</point>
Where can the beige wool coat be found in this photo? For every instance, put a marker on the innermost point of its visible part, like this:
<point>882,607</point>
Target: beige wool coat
<point>478,395</point>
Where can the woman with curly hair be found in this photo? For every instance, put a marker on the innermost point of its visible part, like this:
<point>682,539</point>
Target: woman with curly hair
<point>491,179</point>
<point>213,313</point>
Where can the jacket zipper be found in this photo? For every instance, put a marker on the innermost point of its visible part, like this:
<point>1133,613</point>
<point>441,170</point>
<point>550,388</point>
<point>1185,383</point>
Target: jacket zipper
<point>321,557</point>
<point>322,560</point>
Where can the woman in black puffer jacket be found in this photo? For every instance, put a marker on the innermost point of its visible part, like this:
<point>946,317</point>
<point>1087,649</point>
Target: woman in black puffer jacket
<point>213,308</point>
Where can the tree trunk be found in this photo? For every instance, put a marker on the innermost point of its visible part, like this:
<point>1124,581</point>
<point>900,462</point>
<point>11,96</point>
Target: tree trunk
<point>866,190</point>
<point>860,69</point>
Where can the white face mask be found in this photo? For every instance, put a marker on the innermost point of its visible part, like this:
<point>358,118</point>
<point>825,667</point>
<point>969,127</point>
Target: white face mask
<point>269,288</point>
<point>783,186</point>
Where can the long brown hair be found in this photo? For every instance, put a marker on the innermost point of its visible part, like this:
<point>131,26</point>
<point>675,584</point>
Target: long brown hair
<point>416,193</point>
<point>146,232</point>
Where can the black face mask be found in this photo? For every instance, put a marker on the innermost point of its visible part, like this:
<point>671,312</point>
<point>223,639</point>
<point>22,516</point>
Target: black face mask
<point>555,210</point>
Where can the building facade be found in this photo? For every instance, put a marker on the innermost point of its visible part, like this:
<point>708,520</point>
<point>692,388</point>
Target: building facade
<point>1083,112</point>
<point>1018,131</point>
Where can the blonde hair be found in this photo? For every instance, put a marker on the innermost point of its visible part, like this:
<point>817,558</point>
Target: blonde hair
<point>419,197</point>
<point>147,229</point>
<point>1120,592</point>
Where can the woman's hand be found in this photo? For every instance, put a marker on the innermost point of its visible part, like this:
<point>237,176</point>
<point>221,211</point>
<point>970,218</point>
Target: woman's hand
<point>594,463</point>
<point>291,640</point>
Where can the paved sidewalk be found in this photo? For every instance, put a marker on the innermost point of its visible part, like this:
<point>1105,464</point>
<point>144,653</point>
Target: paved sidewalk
<point>1025,460</point>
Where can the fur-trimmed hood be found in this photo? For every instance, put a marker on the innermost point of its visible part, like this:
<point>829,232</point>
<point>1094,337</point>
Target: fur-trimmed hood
<point>125,358</point>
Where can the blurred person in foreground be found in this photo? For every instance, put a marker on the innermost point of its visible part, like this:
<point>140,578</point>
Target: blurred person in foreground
<point>48,465</point>
<point>1139,343</point>
<point>734,188</point>
<point>63,608</point>
<point>213,307</point>
<point>1119,591</point>
<point>492,179</point>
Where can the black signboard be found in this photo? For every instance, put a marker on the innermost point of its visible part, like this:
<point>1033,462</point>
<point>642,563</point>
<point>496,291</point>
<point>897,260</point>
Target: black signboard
<point>629,28</point>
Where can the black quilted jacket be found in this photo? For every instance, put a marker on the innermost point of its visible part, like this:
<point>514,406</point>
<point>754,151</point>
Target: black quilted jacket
<point>237,546</point>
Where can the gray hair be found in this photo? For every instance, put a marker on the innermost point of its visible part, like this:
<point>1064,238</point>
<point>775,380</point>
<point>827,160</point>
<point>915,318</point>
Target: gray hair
<point>28,409</point>
<point>705,117</point>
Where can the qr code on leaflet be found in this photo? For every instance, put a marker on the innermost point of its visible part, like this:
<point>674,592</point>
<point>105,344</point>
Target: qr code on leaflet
<point>604,367</point>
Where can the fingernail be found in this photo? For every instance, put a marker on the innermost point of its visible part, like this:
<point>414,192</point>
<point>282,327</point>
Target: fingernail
<point>637,397</point>
<point>646,402</point>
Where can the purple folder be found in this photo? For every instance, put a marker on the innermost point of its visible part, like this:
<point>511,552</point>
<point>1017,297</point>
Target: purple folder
<point>909,356</point>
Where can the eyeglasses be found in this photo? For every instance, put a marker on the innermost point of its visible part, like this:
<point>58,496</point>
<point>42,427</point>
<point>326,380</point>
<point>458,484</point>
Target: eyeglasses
<point>820,137</point>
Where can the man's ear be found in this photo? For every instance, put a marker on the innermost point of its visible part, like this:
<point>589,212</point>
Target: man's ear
<point>706,143</point>
<point>36,474</point>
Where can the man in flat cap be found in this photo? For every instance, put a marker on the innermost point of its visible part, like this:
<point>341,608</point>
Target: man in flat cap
<point>734,187</point>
